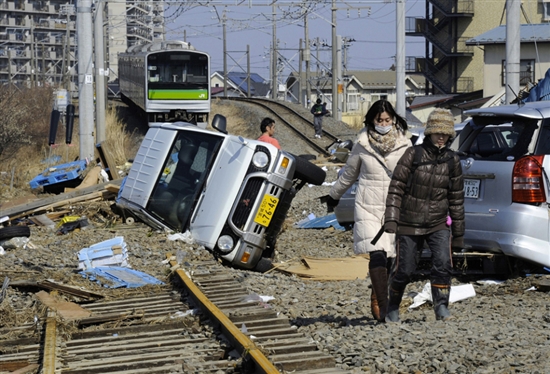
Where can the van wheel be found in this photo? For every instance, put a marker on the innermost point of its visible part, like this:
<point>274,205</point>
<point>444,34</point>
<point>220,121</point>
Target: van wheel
<point>265,264</point>
<point>308,172</point>
<point>14,232</point>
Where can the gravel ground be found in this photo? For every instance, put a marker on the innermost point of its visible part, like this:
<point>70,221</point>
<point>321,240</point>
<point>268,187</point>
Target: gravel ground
<point>505,328</point>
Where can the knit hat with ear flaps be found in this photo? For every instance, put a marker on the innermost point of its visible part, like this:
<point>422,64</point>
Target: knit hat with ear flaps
<point>440,121</point>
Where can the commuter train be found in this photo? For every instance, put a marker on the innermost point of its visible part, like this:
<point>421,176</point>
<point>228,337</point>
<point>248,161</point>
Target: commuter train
<point>168,80</point>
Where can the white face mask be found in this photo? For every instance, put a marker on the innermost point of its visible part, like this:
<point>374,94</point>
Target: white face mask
<point>382,130</point>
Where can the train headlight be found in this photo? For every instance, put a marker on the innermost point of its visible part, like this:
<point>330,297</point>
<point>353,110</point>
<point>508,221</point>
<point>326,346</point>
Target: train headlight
<point>225,243</point>
<point>260,160</point>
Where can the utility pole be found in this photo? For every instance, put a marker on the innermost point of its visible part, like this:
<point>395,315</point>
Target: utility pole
<point>43,64</point>
<point>339,76</point>
<point>512,49</point>
<point>300,59</point>
<point>344,75</point>
<point>274,85</point>
<point>9,70</point>
<point>85,79</point>
<point>32,53</point>
<point>307,58</point>
<point>400,107</point>
<point>335,68</point>
<point>100,96</point>
<point>65,63</point>
<point>224,57</point>
<point>317,42</point>
<point>248,91</point>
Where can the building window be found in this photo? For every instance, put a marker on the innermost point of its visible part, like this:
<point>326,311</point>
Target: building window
<point>353,102</point>
<point>526,72</point>
<point>545,11</point>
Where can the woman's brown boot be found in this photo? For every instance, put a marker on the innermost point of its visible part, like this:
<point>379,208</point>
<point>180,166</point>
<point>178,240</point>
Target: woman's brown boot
<point>379,280</point>
<point>374,305</point>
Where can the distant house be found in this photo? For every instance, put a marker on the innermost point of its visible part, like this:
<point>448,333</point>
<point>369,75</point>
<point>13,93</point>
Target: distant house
<point>422,106</point>
<point>534,52</point>
<point>361,88</point>
<point>237,84</point>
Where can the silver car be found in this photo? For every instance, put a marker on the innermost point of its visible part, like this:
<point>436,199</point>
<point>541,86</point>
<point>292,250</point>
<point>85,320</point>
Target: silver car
<point>505,153</point>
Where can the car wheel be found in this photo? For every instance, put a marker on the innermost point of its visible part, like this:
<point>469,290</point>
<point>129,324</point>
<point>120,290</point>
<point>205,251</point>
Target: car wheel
<point>14,232</point>
<point>308,172</point>
<point>265,264</point>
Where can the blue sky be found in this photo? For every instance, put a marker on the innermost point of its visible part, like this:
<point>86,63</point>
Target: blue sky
<point>373,31</point>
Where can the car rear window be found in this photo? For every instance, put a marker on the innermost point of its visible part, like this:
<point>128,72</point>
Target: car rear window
<point>498,138</point>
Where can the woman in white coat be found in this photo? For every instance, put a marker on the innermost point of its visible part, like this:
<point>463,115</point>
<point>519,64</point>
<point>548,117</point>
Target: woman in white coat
<point>379,145</point>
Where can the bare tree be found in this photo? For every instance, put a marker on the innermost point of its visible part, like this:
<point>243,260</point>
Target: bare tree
<point>23,118</point>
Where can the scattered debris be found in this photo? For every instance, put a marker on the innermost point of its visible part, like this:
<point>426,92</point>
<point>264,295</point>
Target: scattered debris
<point>117,277</point>
<point>347,268</point>
<point>72,224</point>
<point>112,252</point>
<point>312,222</point>
<point>52,285</point>
<point>460,292</point>
<point>55,178</point>
<point>66,309</point>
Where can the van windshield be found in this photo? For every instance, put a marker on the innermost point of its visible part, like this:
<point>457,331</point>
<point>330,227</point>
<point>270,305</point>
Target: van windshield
<point>184,173</point>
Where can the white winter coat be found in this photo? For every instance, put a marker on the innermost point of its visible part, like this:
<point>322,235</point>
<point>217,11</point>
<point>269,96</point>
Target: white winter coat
<point>374,173</point>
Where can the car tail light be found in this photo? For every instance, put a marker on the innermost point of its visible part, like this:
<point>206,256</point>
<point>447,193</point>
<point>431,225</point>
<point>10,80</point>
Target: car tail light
<point>527,180</point>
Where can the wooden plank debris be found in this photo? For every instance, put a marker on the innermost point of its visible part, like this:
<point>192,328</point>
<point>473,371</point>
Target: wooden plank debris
<point>103,191</point>
<point>67,310</point>
<point>107,160</point>
<point>52,285</point>
<point>26,370</point>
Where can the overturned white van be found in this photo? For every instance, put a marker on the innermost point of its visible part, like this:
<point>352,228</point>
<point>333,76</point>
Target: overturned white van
<point>231,193</point>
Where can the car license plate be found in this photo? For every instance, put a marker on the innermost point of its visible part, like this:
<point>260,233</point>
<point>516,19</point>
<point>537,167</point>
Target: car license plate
<point>471,188</point>
<point>267,208</point>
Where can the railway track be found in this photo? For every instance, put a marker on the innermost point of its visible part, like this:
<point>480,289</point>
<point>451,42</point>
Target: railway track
<point>300,125</point>
<point>153,330</point>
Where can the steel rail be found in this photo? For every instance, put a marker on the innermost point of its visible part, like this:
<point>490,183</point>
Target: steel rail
<point>319,145</point>
<point>281,104</point>
<point>240,341</point>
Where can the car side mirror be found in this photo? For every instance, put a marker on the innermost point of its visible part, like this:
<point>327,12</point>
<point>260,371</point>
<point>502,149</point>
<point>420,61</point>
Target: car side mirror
<point>220,123</point>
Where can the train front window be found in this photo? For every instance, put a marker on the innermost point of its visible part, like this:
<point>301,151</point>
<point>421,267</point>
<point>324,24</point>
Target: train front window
<point>177,69</point>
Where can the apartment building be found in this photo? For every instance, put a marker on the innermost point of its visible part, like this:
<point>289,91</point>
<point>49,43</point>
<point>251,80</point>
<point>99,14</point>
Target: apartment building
<point>38,41</point>
<point>450,65</point>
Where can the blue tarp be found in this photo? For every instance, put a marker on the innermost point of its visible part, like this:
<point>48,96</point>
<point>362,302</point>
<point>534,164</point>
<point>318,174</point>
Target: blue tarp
<point>118,277</point>
<point>541,92</point>
<point>321,223</point>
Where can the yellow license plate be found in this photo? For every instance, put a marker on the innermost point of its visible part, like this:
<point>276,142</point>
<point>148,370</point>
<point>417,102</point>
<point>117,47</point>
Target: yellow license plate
<point>267,208</point>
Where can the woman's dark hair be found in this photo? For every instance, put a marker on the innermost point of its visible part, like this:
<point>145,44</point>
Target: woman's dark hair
<point>380,107</point>
<point>266,122</point>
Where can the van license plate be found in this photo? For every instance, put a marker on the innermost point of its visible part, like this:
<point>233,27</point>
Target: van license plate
<point>267,208</point>
<point>471,188</point>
